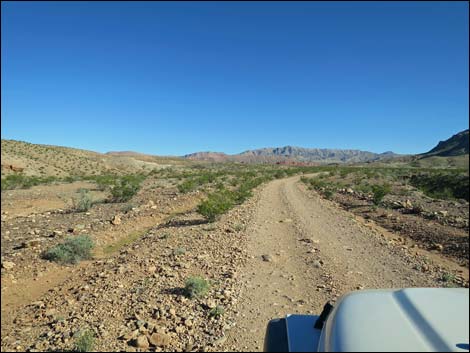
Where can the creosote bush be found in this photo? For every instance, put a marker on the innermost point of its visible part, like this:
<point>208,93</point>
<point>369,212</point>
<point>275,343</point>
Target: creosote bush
<point>84,202</point>
<point>216,204</point>
<point>216,312</point>
<point>196,287</point>
<point>71,251</point>
<point>84,341</point>
<point>379,192</point>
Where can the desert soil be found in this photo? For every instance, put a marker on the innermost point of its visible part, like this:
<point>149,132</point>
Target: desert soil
<point>284,251</point>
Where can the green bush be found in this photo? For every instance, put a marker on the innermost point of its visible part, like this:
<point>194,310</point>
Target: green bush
<point>344,172</point>
<point>328,193</point>
<point>187,186</point>
<point>179,251</point>
<point>442,185</point>
<point>71,251</point>
<point>122,188</point>
<point>84,201</point>
<point>125,187</point>
<point>216,312</point>
<point>216,204</point>
<point>379,192</point>
<point>196,287</point>
<point>20,181</point>
<point>84,341</point>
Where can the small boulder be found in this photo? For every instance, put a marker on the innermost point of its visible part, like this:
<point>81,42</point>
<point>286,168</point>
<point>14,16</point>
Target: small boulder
<point>116,220</point>
<point>8,265</point>
<point>142,342</point>
<point>267,258</point>
<point>160,339</point>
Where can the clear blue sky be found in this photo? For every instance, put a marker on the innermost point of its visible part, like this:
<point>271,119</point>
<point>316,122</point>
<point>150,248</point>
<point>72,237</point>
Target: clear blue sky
<point>174,78</point>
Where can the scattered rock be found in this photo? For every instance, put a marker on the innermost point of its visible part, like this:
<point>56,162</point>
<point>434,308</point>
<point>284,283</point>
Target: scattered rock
<point>220,341</point>
<point>142,342</point>
<point>8,265</point>
<point>438,247</point>
<point>267,258</point>
<point>160,339</point>
<point>57,233</point>
<point>443,213</point>
<point>408,204</point>
<point>116,220</point>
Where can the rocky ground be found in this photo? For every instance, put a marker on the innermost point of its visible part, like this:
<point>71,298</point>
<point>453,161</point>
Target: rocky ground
<point>286,250</point>
<point>435,225</point>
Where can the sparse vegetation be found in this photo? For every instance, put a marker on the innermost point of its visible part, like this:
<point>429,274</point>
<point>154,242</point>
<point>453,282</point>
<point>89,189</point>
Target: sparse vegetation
<point>441,185</point>
<point>20,181</point>
<point>216,312</point>
<point>196,287</point>
<point>447,277</point>
<point>379,192</point>
<point>125,187</point>
<point>128,207</point>
<point>179,251</point>
<point>238,227</point>
<point>187,186</point>
<point>84,341</point>
<point>216,204</point>
<point>84,202</point>
<point>71,251</point>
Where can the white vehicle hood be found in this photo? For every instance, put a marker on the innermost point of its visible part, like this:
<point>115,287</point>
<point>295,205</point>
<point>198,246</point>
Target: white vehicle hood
<point>415,319</point>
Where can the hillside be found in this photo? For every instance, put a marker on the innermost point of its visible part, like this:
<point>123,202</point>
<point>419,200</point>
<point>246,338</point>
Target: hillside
<point>292,154</point>
<point>46,160</point>
<point>208,156</point>
<point>457,145</point>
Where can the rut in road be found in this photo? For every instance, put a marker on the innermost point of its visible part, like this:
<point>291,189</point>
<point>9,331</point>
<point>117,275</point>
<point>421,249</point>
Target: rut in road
<point>315,253</point>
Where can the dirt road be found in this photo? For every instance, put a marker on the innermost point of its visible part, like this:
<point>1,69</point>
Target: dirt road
<point>304,251</point>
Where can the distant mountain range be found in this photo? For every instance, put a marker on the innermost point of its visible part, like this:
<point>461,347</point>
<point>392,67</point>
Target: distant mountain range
<point>47,160</point>
<point>457,145</point>
<point>293,154</point>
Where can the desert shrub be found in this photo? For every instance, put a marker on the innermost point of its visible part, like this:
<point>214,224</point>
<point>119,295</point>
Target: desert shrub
<point>84,202</point>
<point>216,204</point>
<point>343,173</point>
<point>238,227</point>
<point>216,312</point>
<point>71,251</point>
<point>328,193</point>
<point>206,178</point>
<point>442,185</point>
<point>127,208</point>
<point>103,182</point>
<point>379,192</point>
<point>196,287</point>
<point>179,251</point>
<point>447,277</point>
<point>364,188</point>
<point>84,341</point>
<point>125,187</point>
<point>20,181</point>
<point>317,184</point>
<point>279,174</point>
<point>186,186</point>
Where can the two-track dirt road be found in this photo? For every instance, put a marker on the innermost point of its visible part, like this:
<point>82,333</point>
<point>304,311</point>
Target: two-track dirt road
<point>305,251</point>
